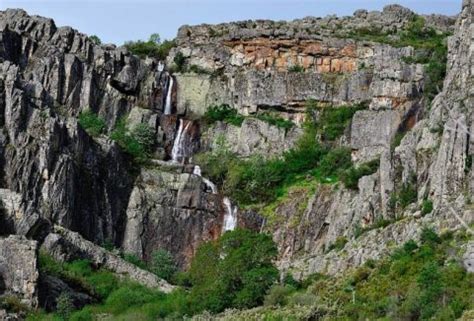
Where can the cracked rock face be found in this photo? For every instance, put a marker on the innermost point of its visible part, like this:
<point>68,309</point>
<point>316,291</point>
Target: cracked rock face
<point>18,269</point>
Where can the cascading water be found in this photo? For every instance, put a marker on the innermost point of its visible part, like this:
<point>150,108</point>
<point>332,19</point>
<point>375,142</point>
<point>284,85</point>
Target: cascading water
<point>209,184</point>
<point>178,151</point>
<point>230,217</point>
<point>169,96</point>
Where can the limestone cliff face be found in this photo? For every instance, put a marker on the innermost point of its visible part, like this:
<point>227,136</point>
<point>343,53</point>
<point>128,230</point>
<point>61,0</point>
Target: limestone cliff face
<point>72,192</point>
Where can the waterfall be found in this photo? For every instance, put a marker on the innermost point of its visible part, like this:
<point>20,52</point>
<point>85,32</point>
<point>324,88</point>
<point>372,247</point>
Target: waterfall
<point>230,217</point>
<point>209,184</point>
<point>197,170</point>
<point>178,151</point>
<point>169,96</point>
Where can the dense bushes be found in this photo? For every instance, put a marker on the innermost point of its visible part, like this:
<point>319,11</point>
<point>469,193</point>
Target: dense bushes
<point>230,115</point>
<point>93,124</point>
<point>223,113</point>
<point>419,281</point>
<point>351,176</point>
<point>152,48</point>
<point>259,180</point>
<point>235,271</point>
<point>137,142</point>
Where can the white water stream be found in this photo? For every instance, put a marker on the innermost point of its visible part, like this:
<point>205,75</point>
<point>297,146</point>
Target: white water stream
<point>169,96</point>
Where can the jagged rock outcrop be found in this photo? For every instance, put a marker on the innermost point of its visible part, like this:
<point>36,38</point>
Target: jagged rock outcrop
<point>65,245</point>
<point>172,211</point>
<point>18,269</point>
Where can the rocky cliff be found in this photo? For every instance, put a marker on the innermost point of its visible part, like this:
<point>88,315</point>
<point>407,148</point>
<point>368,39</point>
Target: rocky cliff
<point>73,191</point>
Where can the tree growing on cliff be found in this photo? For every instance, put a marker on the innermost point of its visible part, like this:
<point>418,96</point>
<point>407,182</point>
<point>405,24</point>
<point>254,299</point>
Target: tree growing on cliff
<point>235,271</point>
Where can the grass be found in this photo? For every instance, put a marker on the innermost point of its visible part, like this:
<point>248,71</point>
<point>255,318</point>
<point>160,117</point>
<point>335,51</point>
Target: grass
<point>296,68</point>
<point>275,120</point>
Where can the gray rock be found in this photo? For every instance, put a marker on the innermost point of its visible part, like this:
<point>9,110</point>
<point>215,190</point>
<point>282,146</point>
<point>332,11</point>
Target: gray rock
<point>18,268</point>
<point>65,245</point>
<point>468,257</point>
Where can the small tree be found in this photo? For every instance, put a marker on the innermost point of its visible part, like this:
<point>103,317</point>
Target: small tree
<point>95,39</point>
<point>163,264</point>
<point>155,38</point>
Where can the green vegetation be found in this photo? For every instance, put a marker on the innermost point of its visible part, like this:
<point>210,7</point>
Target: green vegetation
<point>379,223</point>
<point>180,62</point>
<point>405,195</point>
<point>351,176</point>
<point>95,39</point>
<point>223,113</point>
<point>275,120</point>
<point>419,281</point>
<point>91,122</point>
<point>296,68</point>
<point>152,48</point>
<point>137,142</point>
<point>230,115</point>
<point>259,180</point>
<point>338,244</point>
<point>426,207</point>
<point>334,120</point>
<point>163,265</point>
<point>234,271</point>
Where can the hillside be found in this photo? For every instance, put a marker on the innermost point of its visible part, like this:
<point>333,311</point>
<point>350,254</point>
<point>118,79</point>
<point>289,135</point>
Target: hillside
<point>265,169</point>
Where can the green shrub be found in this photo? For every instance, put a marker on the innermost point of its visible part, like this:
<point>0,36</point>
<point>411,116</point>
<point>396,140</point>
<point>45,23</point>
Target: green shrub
<point>91,122</point>
<point>13,304</point>
<point>163,264</point>
<point>135,260</point>
<point>278,295</point>
<point>296,68</point>
<point>223,113</point>
<point>427,207</point>
<point>351,176</point>
<point>138,142</point>
<point>334,120</point>
<point>338,245</point>
<point>82,315</point>
<point>152,48</point>
<point>275,120</point>
<point>95,39</point>
<point>235,271</point>
<point>407,194</point>
<point>64,306</point>
<point>336,161</point>
<point>180,61</point>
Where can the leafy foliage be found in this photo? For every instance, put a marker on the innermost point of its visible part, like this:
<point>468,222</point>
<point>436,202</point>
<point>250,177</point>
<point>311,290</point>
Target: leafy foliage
<point>275,120</point>
<point>419,281</point>
<point>235,271</point>
<point>334,120</point>
<point>352,175</point>
<point>163,265</point>
<point>152,48</point>
<point>223,113</point>
<point>95,39</point>
<point>91,122</point>
<point>137,142</point>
